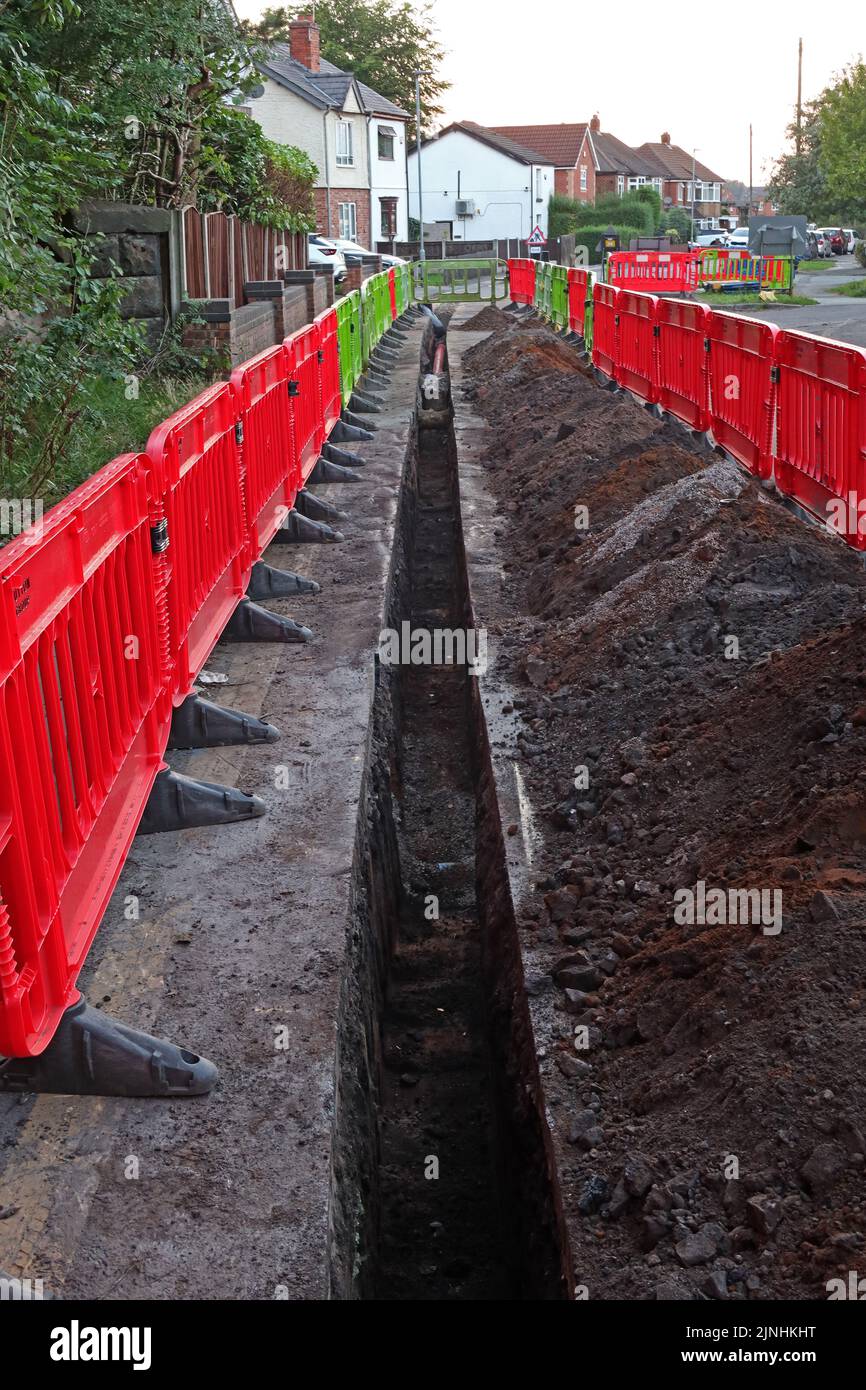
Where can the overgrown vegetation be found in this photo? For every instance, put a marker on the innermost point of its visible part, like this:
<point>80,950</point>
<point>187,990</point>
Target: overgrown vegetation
<point>121,100</point>
<point>855,289</point>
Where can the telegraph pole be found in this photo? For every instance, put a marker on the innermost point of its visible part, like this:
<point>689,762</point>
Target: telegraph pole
<point>750,170</point>
<point>799,142</point>
<point>423,249</point>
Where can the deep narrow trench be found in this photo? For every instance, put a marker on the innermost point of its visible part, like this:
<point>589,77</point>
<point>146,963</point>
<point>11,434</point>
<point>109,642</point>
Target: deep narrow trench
<point>443,1234</point>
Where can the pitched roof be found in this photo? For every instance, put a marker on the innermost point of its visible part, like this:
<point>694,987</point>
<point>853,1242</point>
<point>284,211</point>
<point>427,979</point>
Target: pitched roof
<point>614,156</point>
<point>490,137</point>
<point>559,144</point>
<point>327,88</point>
<point>677,162</point>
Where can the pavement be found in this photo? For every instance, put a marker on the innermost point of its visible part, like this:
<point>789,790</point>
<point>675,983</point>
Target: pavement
<point>834,316</point>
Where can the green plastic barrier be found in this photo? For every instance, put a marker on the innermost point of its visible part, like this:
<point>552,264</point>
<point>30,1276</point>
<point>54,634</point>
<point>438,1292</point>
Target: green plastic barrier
<point>458,281</point>
<point>587,317</point>
<point>382,299</point>
<point>350,341</point>
<point>543,288</point>
<point>559,296</point>
<point>370,336</point>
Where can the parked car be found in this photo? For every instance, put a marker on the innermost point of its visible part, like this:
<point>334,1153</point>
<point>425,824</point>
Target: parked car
<point>838,242</point>
<point>823,234</point>
<point>738,239</point>
<point>716,238</point>
<point>355,250</point>
<point>850,237</point>
<point>322,251</point>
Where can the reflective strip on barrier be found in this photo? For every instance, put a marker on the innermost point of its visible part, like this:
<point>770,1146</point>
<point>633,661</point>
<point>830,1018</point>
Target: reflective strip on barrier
<point>84,719</point>
<point>821,430</point>
<point>605,346</point>
<point>742,389</point>
<point>196,462</point>
<point>636,362</point>
<point>681,361</point>
<point>305,397</point>
<point>270,472</point>
<point>329,370</point>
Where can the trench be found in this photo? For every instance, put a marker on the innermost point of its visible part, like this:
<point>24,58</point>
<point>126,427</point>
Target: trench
<point>443,1183</point>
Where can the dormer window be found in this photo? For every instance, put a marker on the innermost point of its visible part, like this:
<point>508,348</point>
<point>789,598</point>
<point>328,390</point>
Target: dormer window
<point>386,134</point>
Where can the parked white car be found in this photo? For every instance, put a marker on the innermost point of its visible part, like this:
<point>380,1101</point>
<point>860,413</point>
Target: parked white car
<point>738,239</point>
<point>322,251</point>
<point>852,238</point>
<point>355,250</point>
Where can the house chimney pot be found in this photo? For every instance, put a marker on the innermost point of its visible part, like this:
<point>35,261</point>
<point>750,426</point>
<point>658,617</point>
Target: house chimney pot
<point>595,123</point>
<point>305,42</point>
<point>666,139</point>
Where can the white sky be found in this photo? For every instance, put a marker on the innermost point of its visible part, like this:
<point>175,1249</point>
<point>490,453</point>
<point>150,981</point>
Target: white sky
<point>702,69</point>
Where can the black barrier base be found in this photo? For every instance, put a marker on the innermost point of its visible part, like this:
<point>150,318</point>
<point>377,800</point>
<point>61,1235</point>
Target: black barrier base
<point>342,456</point>
<point>327,472</point>
<point>181,803</point>
<point>94,1055</point>
<point>375,375</point>
<point>250,623</point>
<point>298,529</point>
<point>365,405</point>
<point>198,723</point>
<point>317,509</point>
<point>384,357</point>
<point>267,582</point>
<point>359,422</point>
<point>345,433</point>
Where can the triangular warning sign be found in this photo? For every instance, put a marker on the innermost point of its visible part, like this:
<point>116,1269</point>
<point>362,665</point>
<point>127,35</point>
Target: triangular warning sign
<point>536,238</point>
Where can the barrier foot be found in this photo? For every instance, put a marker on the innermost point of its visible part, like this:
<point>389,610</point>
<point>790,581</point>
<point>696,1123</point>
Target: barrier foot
<point>344,433</point>
<point>384,357</point>
<point>342,456</point>
<point>92,1054</point>
<point>267,582</point>
<point>365,405</point>
<point>327,472</point>
<point>317,509</point>
<point>357,422</point>
<point>250,623</point>
<point>198,723</point>
<point>180,803</point>
<point>298,529</point>
<point>395,336</point>
<point>374,376</point>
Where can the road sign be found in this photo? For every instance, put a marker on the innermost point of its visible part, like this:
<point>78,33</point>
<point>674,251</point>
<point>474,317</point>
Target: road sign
<point>536,238</point>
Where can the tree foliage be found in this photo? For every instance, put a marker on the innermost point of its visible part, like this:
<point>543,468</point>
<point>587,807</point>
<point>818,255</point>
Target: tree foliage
<point>383,42</point>
<point>826,180</point>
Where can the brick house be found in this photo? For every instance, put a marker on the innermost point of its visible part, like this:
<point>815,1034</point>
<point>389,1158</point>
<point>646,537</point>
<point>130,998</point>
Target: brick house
<point>677,165</point>
<point>567,148</point>
<point>355,137</point>
<point>619,168</point>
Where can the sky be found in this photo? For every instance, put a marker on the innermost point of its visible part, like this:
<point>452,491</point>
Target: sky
<point>700,71</point>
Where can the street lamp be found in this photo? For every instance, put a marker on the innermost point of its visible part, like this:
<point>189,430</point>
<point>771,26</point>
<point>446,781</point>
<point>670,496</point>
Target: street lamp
<point>418,75</point>
<point>694,152</point>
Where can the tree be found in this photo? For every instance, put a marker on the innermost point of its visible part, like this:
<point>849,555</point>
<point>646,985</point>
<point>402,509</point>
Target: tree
<point>383,42</point>
<point>826,179</point>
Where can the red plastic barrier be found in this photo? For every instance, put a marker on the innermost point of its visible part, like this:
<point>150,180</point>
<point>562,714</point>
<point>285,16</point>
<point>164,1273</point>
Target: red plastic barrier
<point>605,328</point>
<point>821,430</point>
<point>302,356</point>
<point>636,362</point>
<point>578,292</point>
<point>742,388</point>
<point>681,361</point>
<point>270,473</point>
<point>196,461</point>
<point>668,272</point>
<point>521,280</point>
<point>329,354</point>
<point>392,290</point>
<point>83,723</point>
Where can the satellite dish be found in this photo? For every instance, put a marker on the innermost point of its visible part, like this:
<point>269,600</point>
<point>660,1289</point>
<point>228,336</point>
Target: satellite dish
<point>257,91</point>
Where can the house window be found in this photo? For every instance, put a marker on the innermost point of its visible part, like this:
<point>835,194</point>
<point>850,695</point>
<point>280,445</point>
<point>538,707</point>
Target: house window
<point>348,215</point>
<point>539,185</point>
<point>620,184</point>
<point>583,178</point>
<point>345,154</point>
<point>389,218</point>
<point>386,141</point>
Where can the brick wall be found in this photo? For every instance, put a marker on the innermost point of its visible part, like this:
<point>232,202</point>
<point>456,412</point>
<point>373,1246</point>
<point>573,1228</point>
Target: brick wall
<point>241,333</point>
<point>359,196</point>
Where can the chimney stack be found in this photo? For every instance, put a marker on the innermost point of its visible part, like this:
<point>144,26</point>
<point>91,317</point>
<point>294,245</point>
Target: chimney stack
<point>305,42</point>
<point>666,139</point>
<point>595,123</point>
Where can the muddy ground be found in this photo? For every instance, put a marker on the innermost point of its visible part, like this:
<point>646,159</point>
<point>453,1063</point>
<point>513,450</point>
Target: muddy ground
<point>699,651</point>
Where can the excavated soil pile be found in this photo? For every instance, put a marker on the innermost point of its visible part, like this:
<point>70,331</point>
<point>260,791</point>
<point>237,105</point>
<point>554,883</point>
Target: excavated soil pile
<point>692,670</point>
